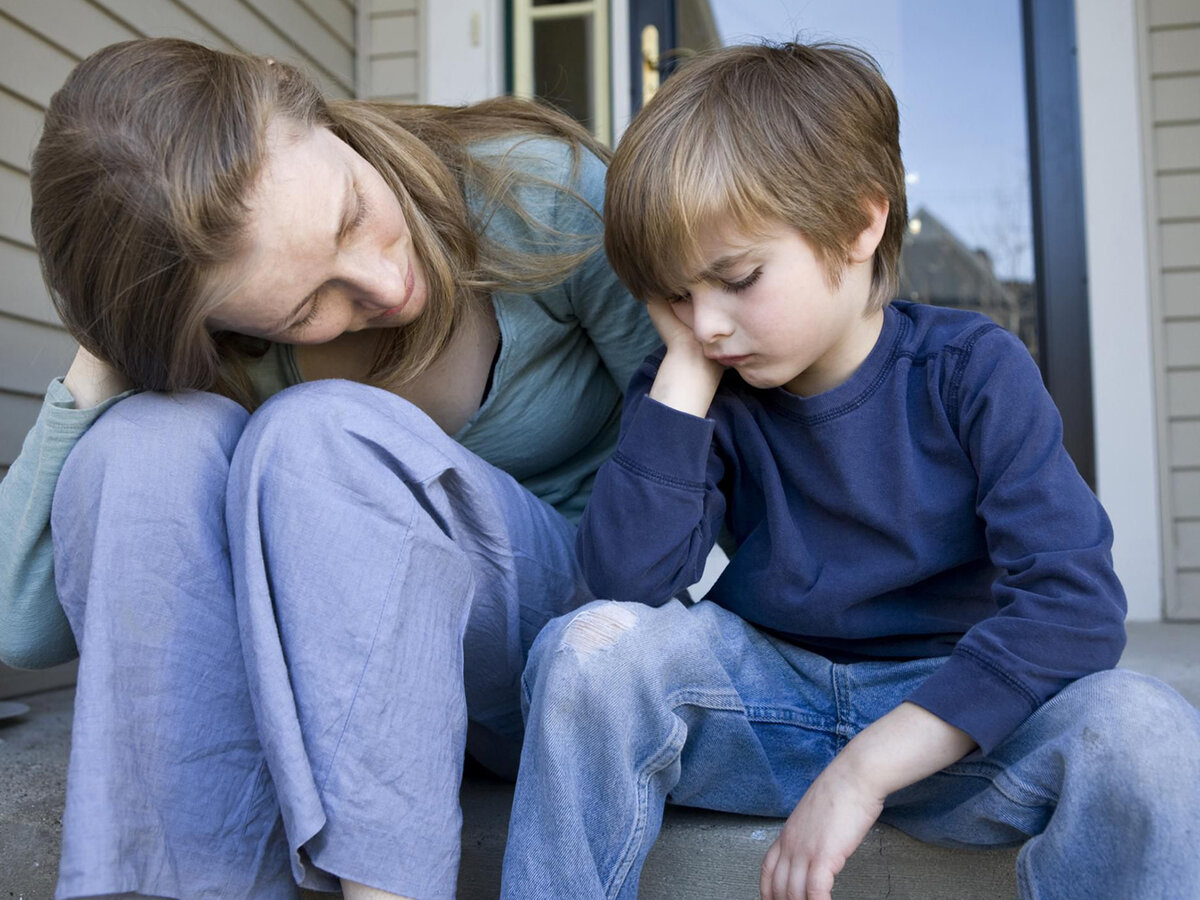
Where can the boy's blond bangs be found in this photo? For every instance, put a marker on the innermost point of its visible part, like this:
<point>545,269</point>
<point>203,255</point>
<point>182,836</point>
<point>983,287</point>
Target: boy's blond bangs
<point>661,210</point>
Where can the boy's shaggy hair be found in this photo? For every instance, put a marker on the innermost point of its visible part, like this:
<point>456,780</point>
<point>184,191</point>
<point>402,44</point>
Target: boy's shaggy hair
<point>751,136</point>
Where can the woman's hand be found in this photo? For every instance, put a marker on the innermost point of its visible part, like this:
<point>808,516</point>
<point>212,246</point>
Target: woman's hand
<point>687,380</point>
<point>91,381</point>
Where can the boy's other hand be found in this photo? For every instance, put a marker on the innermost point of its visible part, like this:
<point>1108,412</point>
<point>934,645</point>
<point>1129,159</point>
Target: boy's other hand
<point>826,827</point>
<point>841,805</point>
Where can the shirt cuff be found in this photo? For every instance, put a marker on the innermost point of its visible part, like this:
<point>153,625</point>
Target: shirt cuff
<point>976,697</point>
<point>666,444</point>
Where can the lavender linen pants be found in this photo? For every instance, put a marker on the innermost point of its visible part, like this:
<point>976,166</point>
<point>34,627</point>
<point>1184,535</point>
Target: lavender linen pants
<point>290,626</point>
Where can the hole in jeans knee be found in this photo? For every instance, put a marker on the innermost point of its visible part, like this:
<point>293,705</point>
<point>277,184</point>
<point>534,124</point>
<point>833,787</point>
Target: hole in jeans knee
<point>598,628</point>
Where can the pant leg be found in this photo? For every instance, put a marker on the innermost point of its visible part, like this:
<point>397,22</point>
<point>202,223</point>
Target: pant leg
<point>389,584</point>
<point>167,789</point>
<point>1105,780</point>
<point>629,706</point>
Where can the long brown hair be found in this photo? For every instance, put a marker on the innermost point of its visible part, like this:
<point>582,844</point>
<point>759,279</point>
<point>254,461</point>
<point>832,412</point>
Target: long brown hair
<point>149,152</point>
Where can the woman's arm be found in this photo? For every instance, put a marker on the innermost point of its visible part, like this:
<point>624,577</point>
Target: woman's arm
<point>33,630</point>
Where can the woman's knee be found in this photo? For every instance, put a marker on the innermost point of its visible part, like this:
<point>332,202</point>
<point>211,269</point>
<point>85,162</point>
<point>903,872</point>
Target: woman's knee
<point>320,426</point>
<point>153,444</point>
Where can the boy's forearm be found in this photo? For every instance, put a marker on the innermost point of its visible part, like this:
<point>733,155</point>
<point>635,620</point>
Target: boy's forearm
<point>686,381</point>
<point>901,748</point>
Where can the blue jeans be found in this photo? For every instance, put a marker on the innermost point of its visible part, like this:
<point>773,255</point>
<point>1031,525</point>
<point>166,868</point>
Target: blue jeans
<point>290,626</point>
<point>630,706</point>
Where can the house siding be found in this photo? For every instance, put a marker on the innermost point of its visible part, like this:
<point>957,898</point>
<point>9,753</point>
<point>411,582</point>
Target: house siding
<point>1171,68</point>
<point>390,48</point>
<point>40,43</point>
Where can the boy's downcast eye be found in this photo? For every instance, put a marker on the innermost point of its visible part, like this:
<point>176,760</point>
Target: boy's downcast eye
<point>744,283</point>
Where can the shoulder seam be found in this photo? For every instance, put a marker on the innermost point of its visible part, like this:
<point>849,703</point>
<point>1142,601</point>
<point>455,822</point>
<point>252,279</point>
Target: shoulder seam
<point>964,356</point>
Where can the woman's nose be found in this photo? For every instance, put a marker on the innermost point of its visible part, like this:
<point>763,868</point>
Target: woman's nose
<point>381,278</point>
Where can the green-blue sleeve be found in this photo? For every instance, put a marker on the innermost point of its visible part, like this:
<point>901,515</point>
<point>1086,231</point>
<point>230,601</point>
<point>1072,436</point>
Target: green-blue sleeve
<point>34,632</point>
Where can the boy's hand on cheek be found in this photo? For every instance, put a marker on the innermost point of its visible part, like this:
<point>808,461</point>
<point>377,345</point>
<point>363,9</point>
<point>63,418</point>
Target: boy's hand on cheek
<point>674,332</point>
<point>687,379</point>
<point>826,827</point>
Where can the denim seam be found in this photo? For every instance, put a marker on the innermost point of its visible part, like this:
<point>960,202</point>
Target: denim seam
<point>655,764</point>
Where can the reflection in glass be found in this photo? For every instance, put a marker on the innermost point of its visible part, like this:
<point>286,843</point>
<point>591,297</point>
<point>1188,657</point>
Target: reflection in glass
<point>562,65</point>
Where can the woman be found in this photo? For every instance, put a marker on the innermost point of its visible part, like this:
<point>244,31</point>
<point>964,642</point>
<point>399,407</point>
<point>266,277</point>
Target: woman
<point>290,623</point>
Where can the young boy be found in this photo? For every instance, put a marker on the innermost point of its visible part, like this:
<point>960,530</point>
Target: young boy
<point>920,620</point>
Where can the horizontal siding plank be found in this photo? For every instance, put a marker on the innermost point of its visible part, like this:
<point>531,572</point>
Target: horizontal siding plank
<point>1181,293</point>
<point>19,132</point>
<point>22,291</point>
<point>396,75</point>
<point>1173,12</point>
<point>1186,602</point>
<point>154,18</point>
<point>1185,443</point>
<point>14,206</point>
<point>1186,487</point>
<point>29,66</point>
<point>33,354</point>
<point>17,415</point>
<point>337,16</point>
<point>1183,393</point>
<point>1179,196</point>
<point>394,34</point>
<point>1183,343</point>
<point>307,33</point>
<point>1177,99</point>
<point>386,6</point>
<point>236,20</point>
<point>1179,244</point>
<point>74,25</point>
<point>1187,546</point>
<point>1177,147</point>
<point>19,682</point>
<point>1177,50</point>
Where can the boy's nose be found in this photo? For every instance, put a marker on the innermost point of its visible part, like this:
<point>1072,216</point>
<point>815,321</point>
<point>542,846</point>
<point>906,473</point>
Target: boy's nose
<point>709,321</point>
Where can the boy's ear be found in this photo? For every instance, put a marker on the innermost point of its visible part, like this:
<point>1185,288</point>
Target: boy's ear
<point>868,239</point>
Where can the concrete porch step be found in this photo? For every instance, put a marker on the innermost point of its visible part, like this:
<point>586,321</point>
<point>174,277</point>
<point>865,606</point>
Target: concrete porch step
<point>699,856</point>
<point>703,855</point>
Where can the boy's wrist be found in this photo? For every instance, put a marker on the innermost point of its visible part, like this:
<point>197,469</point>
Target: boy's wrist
<point>906,745</point>
<point>686,381</point>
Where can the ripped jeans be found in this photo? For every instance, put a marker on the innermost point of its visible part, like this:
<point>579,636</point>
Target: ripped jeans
<point>628,707</point>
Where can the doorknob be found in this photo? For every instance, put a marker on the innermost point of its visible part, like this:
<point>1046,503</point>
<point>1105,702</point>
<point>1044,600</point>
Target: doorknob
<point>650,61</point>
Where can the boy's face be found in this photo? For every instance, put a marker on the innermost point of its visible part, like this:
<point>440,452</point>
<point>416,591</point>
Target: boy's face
<point>764,306</point>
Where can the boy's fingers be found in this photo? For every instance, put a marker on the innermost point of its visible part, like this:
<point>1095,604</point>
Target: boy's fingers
<point>820,884</point>
<point>766,874</point>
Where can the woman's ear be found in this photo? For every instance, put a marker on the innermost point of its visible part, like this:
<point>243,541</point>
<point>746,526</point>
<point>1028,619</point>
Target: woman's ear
<point>868,239</point>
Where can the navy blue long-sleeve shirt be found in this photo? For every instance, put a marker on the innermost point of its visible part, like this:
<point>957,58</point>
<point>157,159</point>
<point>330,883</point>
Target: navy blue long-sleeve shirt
<point>925,507</point>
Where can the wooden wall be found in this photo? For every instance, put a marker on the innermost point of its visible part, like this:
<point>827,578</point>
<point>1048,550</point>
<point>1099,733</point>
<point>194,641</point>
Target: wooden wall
<point>1171,66</point>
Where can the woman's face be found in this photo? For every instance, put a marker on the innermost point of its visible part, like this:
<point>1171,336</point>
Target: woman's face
<point>328,249</point>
